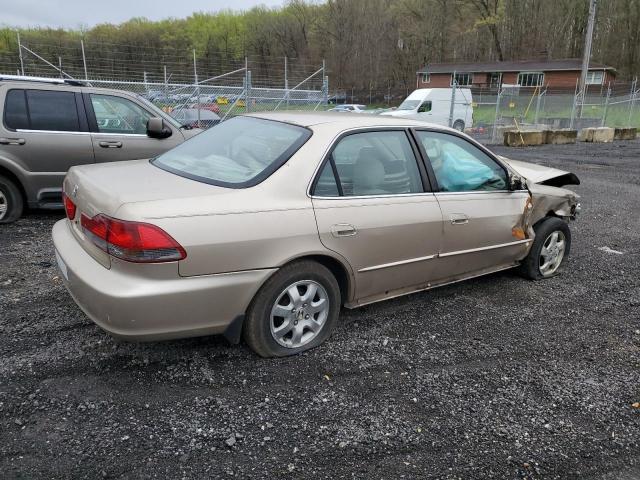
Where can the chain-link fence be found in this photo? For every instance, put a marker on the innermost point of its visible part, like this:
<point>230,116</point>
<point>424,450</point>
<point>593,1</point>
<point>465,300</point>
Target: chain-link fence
<point>196,90</point>
<point>509,107</point>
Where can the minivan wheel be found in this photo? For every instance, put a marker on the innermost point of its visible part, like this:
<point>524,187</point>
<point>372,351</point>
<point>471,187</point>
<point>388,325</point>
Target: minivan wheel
<point>11,203</point>
<point>458,125</point>
<point>550,249</point>
<point>295,310</point>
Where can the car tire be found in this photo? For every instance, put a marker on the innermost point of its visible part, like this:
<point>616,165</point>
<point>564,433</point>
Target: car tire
<point>11,202</point>
<point>550,249</point>
<point>458,125</point>
<point>271,335</point>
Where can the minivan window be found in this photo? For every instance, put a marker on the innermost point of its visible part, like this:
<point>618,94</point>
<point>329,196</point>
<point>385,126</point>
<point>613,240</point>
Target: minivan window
<point>49,110</point>
<point>119,115</point>
<point>238,153</point>
<point>15,110</point>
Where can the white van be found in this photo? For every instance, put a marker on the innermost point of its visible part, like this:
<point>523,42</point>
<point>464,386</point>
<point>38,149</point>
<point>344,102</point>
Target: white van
<point>433,105</point>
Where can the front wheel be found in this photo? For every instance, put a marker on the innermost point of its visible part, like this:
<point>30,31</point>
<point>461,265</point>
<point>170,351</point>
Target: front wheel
<point>459,125</point>
<point>295,310</point>
<point>550,249</point>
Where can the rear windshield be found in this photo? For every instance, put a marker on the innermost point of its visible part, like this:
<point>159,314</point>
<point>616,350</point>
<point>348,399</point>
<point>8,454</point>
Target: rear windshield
<point>238,153</point>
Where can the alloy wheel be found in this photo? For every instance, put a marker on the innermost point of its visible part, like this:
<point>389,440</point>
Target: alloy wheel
<point>4,206</point>
<point>552,253</point>
<point>299,313</point>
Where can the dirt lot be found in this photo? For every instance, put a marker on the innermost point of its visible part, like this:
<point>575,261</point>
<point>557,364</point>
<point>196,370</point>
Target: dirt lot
<point>494,378</point>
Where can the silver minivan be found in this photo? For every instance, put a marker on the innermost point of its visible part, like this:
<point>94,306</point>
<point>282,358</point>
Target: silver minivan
<point>50,125</point>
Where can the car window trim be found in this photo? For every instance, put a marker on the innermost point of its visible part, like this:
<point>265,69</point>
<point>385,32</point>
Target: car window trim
<point>328,157</point>
<point>472,142</point>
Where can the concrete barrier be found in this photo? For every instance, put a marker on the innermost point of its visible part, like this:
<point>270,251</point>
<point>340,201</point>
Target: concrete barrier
<point>596,135</point>
<point>561,136</point>
<point>523,138</point>
<point>625,133</point>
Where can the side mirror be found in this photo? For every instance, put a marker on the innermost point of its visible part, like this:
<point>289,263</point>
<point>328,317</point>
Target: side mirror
<point>516,182</point>
<point>157,129</point>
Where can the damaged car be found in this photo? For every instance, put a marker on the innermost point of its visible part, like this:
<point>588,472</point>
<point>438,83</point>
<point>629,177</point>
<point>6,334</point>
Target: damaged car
<point>266,225</point>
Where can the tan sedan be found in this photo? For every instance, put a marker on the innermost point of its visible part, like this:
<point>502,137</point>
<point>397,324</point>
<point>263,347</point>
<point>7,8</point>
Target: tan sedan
<point>264,226</point>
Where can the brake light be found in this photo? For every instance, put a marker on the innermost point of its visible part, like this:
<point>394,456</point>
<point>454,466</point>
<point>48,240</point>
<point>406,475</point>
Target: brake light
<point>132,241</point>
<point>69,206</point>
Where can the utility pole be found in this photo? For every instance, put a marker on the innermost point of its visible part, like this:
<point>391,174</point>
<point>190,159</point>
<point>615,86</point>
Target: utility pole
<point>586,57</point>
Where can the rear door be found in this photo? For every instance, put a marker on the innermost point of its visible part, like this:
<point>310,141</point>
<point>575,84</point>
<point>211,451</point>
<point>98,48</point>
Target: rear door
<point>119,129</point>
<point>374,207</point>
<point>481,217</point>
<point>45,134</point>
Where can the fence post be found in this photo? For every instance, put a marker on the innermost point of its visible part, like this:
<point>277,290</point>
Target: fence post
<point>495,118</point>
<point>632,99</point>
<point>247,85</point>
<point>20,53</point>
<point>60,66</point>
<point>540,93</point>
<point>166,85</point>
<point>606,106</point>
<point>195,77</point>
<point>453,100</point>
<point>325,84</point>
<point>84,60</point>
<point>573,107</point>
<point>286,81</point>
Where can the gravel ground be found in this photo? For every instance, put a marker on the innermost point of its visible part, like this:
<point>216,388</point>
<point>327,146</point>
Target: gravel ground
<point>497,377</point>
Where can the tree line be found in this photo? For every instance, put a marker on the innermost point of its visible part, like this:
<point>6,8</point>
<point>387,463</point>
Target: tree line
<point>367,44</point>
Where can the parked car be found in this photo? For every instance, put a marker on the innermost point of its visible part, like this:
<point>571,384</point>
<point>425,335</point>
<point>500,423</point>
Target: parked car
<point>212,107</point>
<point>433,105</point>
<point>349,107</point>
<point>192,118</point>
<point>251,229</point>
<point>50,125</point>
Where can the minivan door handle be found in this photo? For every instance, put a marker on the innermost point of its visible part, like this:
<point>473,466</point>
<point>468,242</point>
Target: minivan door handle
<point>343,230</point>
<point>12,141</point>
<point>459,219</point>
<point>106,144</point>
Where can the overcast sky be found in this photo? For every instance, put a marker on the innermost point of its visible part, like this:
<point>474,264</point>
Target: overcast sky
<point>76,13</point>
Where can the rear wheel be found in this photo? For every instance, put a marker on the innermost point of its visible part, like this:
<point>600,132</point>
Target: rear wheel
<point>550,249</point>
<point>459,125</point>
<point>11,203</point>
<point>294,311</point>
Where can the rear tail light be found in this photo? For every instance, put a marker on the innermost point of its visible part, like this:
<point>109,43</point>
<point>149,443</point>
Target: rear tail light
<point>132,241</point>
<point>69,206</point>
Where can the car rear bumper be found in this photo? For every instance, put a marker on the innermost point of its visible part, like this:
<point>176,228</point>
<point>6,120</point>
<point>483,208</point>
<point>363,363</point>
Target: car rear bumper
<point>152,302</point>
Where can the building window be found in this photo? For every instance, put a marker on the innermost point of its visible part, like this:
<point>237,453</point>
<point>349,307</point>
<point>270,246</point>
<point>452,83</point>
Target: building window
<point>425,77</point>
<point>461,79</point>
<point>530,79</point>
<point>595,78</point>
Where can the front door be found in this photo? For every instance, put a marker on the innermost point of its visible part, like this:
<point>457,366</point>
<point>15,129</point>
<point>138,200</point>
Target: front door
<point>121,130</point>
<point>373,206</point>
<point>481,217</point>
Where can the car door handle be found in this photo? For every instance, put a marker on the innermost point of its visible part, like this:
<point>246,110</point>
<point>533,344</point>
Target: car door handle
<point>343,230</point>
<point>12,141</point>
<point>459,219</point>
<point>105,144</point>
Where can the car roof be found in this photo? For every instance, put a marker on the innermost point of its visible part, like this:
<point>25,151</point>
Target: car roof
<point>343,120</point>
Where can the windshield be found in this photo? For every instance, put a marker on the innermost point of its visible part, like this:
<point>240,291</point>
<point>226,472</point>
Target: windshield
<point>409,105</point>
<point>238,153</point>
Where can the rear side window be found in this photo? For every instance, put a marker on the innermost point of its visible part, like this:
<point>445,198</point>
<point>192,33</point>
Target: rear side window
<point>371,163</point>
<point>15,110</point>
<point>41,110</point>
<point>52,110</point>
